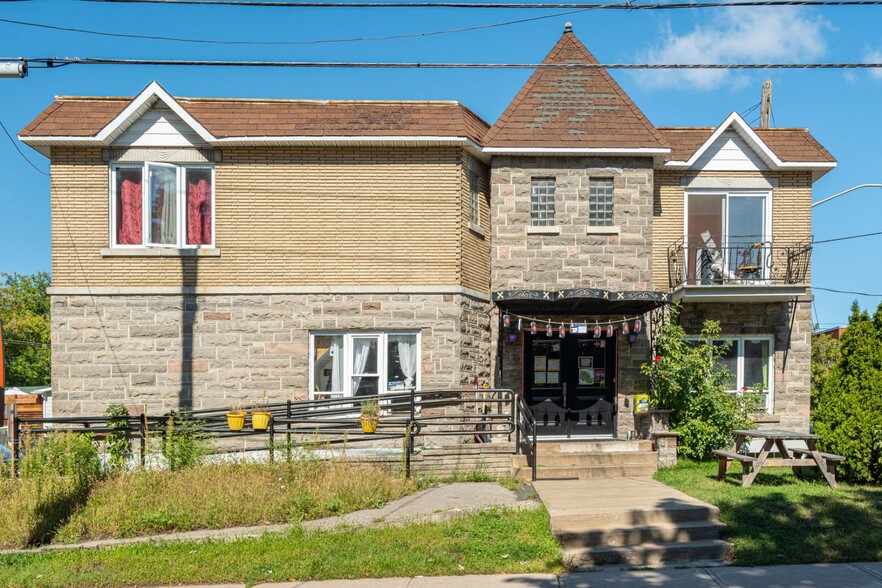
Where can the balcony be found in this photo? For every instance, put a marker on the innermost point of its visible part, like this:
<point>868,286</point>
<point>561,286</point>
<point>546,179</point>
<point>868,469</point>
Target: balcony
<point>700,270</point>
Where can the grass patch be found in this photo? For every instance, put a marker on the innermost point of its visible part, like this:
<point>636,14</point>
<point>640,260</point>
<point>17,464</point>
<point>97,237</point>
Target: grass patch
<point>781,519</point>
<point>214,496</point>
<point>491,542</point>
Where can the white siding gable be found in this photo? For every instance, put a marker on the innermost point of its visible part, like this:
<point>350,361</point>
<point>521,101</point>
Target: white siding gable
<point>730,153</point>
<point>159,127</point>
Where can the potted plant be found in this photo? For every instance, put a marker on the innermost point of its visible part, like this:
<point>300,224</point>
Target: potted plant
<point>236,416</point>
<point>370,416</point>
<point>260,416</point>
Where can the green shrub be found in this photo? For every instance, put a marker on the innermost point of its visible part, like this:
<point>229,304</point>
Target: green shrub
<point>62,454</point>
<point>689,379</point>
<point>119,446</point>
<point>184,442</point>
<point>848,413</point>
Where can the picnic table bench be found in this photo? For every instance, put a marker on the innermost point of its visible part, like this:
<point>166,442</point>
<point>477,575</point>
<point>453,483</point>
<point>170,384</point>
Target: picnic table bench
<point>789,457</point>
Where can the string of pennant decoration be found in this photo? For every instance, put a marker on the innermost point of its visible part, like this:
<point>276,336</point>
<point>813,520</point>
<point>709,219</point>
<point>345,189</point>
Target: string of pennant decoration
<point>628,325</point>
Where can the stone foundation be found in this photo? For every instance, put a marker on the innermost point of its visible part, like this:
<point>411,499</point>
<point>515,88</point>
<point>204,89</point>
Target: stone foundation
<point>208,350</point>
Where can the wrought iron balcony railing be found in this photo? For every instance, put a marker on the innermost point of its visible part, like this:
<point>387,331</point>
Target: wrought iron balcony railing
<point>696,261</point>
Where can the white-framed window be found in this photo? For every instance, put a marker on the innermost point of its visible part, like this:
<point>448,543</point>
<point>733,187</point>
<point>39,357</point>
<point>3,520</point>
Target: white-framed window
<point>542,202</point>
<point>600,202</point>
<point>363,363</point>
<point>474,193</point>
<point>751,363</point>
<point>161,205</point>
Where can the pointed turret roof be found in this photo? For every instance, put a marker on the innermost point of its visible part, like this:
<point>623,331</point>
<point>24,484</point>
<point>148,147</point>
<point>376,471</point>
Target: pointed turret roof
<point>578,108</point>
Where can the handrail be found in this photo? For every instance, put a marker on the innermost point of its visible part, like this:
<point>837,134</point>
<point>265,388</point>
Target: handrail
<point>336,420</point>
<point>526,431</point>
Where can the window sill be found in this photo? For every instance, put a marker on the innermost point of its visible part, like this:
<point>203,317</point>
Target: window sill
<point>550,230</point>
<point>477,230</point>
<point>603,230</point>
<point>159,252</point>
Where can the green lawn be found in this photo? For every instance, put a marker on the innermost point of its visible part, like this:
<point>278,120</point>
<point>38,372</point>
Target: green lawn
<point>491,542</point>
<point>782,519</point>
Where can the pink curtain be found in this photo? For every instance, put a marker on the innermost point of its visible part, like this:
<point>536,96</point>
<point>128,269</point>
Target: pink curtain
<point>129,222</point>
<point>198,211</point>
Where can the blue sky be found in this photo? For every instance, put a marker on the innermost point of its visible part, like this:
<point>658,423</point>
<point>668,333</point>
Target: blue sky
<point>841,108</point>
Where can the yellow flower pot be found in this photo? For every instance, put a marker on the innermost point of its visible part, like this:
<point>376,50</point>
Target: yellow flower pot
<point>260,421</point>
<point>369,423</point>
<point>236,420</point>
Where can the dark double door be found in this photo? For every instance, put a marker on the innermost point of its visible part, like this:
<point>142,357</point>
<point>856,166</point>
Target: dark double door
<point>569,384</point>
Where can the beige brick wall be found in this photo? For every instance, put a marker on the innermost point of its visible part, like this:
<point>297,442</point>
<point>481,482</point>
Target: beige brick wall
<point>475,247</point>
<point>791,212</point>
<point>289,217</point>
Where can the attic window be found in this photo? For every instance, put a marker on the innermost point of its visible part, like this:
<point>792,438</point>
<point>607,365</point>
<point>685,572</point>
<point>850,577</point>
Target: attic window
<point>162,205</point>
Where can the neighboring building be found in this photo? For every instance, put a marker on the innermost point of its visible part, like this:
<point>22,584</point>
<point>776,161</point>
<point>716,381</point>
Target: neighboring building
<point>207,250</point>
<point>834,333</point>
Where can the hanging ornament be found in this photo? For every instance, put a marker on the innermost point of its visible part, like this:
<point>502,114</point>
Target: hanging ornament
<point>533,329</point>
<point>506,321</point>
<point>609,330</point>
<point>597,331</point>
<point>638,325</point>
<point>562,331</point>
<point>625,328</point>
<point>519,324</point>
<point>549,329</point>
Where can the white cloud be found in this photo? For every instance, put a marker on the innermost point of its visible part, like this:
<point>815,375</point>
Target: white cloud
<point>874,57</point>
<point>736,35</point>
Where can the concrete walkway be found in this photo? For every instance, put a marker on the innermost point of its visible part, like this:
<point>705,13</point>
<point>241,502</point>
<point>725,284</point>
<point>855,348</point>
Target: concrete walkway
<point>859,575</point>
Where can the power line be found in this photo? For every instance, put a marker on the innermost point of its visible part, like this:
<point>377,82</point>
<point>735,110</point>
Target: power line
<point>627,5</point>
<point>314,42</point>
<point>844,291</point>
<point>58,62</point>
<point>30,343</point>
<point>25,157</point>
<point>847,238</point>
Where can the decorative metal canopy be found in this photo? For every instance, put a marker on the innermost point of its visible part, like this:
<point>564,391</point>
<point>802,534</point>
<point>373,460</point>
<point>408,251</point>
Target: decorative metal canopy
<point>579,301</point>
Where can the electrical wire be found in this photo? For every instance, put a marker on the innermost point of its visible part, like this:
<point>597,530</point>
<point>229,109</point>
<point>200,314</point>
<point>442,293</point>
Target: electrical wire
<point>52,62</point>
<point>314,42</point>
<point>844,291</point>
<point>847,238</point>
<point>29,343</point>
<point>25,157</point>
<point>627,6</point>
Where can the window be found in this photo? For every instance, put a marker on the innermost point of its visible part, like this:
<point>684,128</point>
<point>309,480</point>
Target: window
<point>751,361</point>
<point>474,193</point>
<point>600,202</point>
<point>729,234</point>
<point>363,364</point>
<point>162,205</point>
<point>542,202</point>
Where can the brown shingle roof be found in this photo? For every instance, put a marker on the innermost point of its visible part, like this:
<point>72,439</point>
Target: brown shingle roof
<point>572,108</point>
<point>790,145</point>
<point>84,117</point>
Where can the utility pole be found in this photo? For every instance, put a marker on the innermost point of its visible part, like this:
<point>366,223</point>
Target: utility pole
<point>766,104</point>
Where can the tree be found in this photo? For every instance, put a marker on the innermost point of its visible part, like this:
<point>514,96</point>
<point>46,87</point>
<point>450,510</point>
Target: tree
<point>689,378</point>
<point>825,355</point>
<point>24,310</point>
<point>848,413</point>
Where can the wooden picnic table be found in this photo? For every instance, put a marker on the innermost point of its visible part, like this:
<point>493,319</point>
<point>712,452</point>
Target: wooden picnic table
<point>751,465</point>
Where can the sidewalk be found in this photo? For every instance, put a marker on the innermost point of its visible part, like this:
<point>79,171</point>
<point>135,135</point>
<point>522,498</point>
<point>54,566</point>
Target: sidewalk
<point>856,575</point>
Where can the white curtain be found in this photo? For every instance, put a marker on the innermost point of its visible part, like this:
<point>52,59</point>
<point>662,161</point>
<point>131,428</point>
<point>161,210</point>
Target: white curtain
<point>407,356</point>
<point>336,364</point>
<point>360,354</point>
<point>169,208</point>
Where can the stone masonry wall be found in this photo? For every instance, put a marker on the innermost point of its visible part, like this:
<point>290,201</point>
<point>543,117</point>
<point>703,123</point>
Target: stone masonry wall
<point>130,349</point>
<point>579,256</point>
<point>792,349</point>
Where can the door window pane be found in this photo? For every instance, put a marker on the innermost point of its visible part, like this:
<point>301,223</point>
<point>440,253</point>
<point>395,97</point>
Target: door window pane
<point>163,205</point>
<point>546,364</point>
<point>746,220</point>
<point>401,359</point>
<point>327,361</point>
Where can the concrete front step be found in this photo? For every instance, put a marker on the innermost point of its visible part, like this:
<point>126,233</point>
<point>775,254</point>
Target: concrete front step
<point>590,459</point>
<point>580,537</point>
<point>584,472</point>
<point>675,513</point>
<point>599,445</point>
<point>650,554</point>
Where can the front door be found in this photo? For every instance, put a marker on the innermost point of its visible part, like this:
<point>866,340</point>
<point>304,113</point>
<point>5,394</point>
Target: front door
<point>570,384</point>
